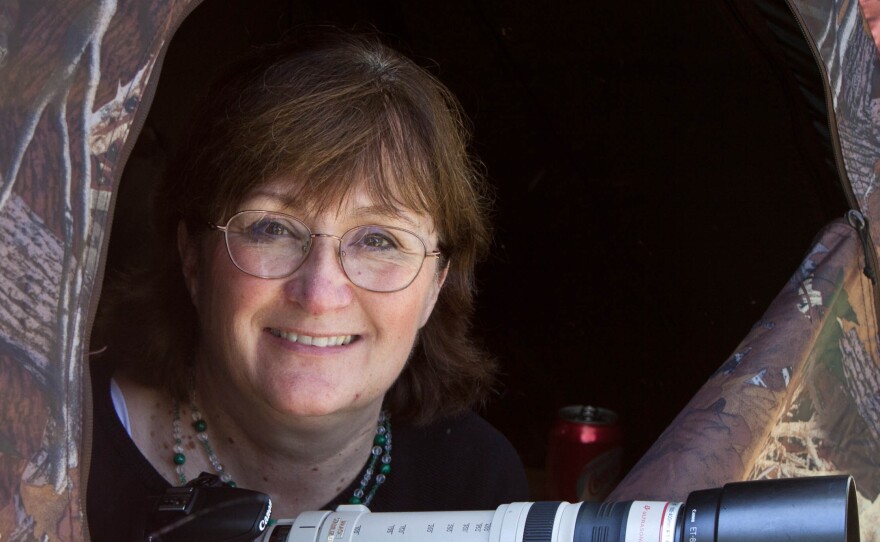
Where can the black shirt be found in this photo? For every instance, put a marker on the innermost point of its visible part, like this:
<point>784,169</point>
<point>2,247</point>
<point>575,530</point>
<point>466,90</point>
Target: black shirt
<point>459,463</point>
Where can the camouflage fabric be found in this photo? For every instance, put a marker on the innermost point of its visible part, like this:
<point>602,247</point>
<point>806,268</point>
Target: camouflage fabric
<point>798,397</point>
<point>74,75</point>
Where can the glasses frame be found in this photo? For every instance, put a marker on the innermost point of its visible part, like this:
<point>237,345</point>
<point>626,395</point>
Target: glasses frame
<point>313,235</point>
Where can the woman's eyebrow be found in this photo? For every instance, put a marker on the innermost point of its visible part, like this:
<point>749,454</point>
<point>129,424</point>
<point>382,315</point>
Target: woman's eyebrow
<point>385,212</point>
<point>369,212</point>
<point>280,197</point>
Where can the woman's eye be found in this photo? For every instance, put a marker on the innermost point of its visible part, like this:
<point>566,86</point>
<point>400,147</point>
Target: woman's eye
<point>272,228</point>
<point>268,229</point>
<point>378,241</point>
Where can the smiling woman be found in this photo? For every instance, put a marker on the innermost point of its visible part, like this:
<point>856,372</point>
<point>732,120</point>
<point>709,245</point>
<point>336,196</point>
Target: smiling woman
<point>251,320</point>
<point>312,282</point>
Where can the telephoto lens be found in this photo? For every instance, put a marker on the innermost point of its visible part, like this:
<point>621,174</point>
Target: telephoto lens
<point>818,509</point>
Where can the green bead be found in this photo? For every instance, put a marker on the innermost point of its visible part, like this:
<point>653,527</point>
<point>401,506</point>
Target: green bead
<point>230,483</point>
<point>380,440</point>
<point>355,500</point>
<point>385,469</point>
<point>179,459</point>
<point>200,425</point>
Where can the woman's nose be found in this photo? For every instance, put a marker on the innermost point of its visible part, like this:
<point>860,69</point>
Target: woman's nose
<point>320,284</point>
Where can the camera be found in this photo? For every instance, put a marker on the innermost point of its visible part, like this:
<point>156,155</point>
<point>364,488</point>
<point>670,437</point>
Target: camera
<point>206,509</point>
<point>816,509</point>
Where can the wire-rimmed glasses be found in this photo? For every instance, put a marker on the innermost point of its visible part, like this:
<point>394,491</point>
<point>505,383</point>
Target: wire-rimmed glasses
<point>274,245</point>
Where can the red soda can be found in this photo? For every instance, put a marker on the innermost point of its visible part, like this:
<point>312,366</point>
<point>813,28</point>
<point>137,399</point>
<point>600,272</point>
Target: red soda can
<point>584,454</point>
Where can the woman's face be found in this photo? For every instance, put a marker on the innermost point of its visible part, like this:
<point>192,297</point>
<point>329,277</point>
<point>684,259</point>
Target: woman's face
<point>312,343</point>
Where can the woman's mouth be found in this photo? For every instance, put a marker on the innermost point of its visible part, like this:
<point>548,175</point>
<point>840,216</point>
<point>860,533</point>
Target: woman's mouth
<point>308,340</point>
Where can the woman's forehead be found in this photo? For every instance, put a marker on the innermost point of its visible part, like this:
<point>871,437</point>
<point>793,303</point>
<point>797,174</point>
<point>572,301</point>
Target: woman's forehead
<point>355,204</point>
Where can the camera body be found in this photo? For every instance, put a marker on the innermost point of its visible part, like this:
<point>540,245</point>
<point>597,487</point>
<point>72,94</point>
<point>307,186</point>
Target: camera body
<point>207,510</point>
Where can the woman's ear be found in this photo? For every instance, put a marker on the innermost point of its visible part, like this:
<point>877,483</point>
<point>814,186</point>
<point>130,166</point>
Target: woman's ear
<point>189,259</point>
<point>436,286</point>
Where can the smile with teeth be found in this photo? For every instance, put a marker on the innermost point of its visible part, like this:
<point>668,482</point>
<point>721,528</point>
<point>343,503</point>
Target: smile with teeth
<point>337,340</point>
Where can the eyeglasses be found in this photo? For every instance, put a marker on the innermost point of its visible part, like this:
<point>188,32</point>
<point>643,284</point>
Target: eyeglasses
<point>274,245</point>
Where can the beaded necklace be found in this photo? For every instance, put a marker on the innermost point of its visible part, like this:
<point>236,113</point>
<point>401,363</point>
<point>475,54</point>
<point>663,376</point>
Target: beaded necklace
<point>380,454</point>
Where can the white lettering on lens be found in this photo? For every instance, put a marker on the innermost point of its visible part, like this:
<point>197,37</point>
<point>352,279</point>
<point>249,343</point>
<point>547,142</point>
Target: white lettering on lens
<point>340,532</point>
<point>265,521</point>
<point>643,522</point>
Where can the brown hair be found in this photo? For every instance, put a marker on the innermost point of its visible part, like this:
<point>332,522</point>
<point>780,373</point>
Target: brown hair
<point>332,109</point>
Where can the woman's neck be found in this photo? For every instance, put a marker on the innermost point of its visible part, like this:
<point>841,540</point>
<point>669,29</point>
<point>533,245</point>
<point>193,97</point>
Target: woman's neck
<point>301,462</point>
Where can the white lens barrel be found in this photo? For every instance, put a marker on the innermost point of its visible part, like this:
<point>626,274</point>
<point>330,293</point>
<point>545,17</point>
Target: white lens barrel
<point>634,521</point>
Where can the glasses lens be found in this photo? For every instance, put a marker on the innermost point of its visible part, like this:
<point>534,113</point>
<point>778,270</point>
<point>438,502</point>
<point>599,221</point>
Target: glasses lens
<point>382,259</point>
<point>268,245</point>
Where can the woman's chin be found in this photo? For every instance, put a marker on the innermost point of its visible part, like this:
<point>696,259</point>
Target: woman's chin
<point>309,394</point>
<point>305,405</point>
